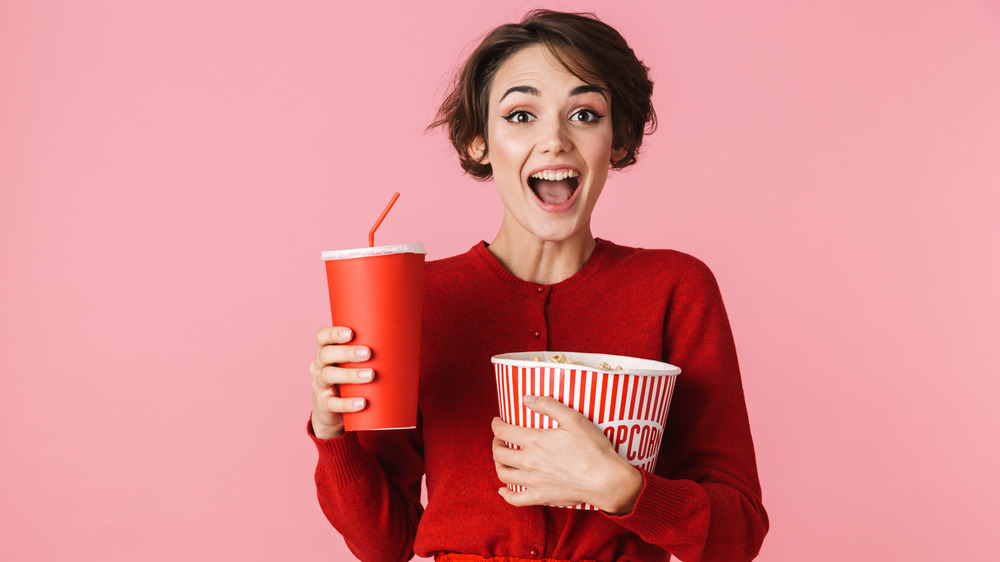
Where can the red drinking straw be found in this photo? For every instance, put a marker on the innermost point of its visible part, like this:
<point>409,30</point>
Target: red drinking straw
<point>371,233</point>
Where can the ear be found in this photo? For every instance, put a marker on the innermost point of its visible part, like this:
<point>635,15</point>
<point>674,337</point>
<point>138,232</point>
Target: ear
<point>477,150</point>
<point>618,153</point>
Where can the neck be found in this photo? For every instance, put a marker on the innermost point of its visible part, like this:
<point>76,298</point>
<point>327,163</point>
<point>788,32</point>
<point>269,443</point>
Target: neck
<point>542,261</point>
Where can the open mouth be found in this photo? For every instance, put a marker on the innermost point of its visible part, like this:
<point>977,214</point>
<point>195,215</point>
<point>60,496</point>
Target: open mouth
<point>554,187</point>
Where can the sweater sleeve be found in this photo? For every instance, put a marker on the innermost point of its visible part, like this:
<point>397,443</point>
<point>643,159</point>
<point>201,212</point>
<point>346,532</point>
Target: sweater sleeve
<point>704,500</point>
<point>368,484</point>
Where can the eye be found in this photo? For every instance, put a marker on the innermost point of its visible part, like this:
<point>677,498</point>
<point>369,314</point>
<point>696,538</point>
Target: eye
<point>519,117</point>
<point>586,116</point>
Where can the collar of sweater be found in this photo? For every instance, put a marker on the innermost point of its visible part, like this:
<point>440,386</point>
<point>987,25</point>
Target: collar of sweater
<point>597,257</point>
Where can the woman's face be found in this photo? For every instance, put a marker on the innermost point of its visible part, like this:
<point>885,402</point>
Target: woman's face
<point>549,145</point>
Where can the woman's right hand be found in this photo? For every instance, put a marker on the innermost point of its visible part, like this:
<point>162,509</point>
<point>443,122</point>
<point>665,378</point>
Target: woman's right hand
<point>328,407</point>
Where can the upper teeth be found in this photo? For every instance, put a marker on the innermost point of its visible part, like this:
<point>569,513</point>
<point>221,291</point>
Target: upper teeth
<point>555,175</point>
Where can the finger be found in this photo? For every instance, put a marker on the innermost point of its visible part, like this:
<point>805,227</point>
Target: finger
<point>333,335</point>
<point>520,436</point>
<point>331,375</point>
<point>502,454</point>
<point>509,475</point>
<point>520,499</point>
<point>336,354</point>
<point>530,496</point>
<point>552,408</point>
<point>497,424</point>
<point>343,405</point>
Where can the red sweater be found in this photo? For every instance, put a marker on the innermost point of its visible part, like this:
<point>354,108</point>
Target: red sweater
<point>702,503</point>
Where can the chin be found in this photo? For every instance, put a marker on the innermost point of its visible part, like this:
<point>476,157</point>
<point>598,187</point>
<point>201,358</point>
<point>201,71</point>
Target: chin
<point>556,234</point>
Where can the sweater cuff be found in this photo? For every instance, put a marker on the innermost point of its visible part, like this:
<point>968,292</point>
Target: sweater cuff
<point>662,505</point>
<point>342,459</point>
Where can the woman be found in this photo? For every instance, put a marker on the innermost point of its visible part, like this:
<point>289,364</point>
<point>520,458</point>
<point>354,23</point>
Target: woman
<point>545,107</point>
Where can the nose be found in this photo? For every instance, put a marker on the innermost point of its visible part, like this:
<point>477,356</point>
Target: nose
<point>554,137</point>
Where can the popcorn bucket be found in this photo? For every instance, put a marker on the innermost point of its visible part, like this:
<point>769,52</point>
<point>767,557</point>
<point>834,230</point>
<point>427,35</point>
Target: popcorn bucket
<point>626,397</point>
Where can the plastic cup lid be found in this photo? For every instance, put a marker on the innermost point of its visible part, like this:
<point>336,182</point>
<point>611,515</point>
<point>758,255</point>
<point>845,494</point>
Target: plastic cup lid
<point>417,248</point>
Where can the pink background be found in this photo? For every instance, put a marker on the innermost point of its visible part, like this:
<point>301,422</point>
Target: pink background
<point>171,171</point>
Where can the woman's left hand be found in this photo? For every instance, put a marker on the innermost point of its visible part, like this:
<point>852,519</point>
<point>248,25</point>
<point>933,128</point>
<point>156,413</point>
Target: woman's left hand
<point>572,464</point>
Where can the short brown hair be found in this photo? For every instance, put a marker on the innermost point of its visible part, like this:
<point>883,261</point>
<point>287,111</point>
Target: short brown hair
<point>587,47</point>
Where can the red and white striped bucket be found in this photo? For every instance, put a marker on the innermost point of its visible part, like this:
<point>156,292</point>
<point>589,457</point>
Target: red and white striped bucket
<point>630,404</point>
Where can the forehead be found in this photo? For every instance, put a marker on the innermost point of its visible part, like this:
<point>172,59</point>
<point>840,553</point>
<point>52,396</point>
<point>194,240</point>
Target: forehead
<point>533,65</point>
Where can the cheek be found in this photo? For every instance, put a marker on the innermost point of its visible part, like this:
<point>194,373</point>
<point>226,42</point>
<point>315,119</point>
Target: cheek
<point>603,150</point>
<point>608,139</point>
<point>595,143</point>
<point>505,154</point>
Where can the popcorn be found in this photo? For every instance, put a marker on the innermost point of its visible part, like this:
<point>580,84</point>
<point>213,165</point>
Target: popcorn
<point>564,359</point>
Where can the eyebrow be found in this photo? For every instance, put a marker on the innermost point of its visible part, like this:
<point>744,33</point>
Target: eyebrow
<point>533,91</point>
<point>587,88</point>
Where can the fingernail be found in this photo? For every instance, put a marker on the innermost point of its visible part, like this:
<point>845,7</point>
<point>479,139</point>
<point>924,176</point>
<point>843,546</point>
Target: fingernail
<point>528,399</point>
<point>359,403</point>
<point>362,352</point>
<point>345,334</point>
<point>365,375</point>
